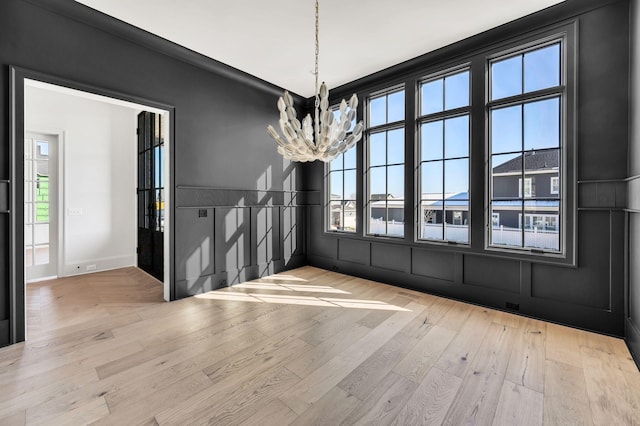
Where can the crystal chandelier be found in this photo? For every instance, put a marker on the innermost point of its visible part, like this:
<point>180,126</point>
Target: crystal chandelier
<point>328,137</point>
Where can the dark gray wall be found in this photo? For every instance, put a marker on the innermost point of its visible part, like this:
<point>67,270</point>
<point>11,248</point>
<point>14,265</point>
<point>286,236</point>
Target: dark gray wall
<point>589,295</point>
<point>220,140</point>
<point>633,259</point>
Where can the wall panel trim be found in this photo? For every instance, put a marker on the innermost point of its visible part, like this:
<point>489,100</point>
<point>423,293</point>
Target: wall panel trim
<point>210,197</point>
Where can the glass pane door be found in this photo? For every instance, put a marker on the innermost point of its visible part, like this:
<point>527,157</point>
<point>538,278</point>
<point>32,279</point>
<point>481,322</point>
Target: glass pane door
<point>40,206</point>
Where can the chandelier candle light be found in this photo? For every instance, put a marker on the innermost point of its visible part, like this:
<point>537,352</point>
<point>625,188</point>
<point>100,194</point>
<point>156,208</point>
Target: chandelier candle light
<point>330,138</point>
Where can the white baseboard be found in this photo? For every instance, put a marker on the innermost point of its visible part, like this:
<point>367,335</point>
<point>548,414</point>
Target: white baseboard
<point>89,266</point>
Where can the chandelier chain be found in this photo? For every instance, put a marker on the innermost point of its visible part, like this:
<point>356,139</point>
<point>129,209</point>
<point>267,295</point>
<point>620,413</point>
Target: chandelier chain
<point>307,140</point>
<point>316,72</point>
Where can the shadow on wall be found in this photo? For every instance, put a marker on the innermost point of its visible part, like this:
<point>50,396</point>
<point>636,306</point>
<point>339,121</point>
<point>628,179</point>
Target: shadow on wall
<point>238,235</point>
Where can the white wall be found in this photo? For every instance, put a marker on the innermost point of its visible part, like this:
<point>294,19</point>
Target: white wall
<point>99,177</point>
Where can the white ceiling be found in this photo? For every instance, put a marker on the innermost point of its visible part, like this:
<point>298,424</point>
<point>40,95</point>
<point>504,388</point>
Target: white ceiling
<point>274,40</point>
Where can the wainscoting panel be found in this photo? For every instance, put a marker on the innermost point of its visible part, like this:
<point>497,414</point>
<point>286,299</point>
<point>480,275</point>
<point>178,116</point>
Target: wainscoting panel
<point>632,323</point>
<point>194,243</point>
<point>220,245</point>
<point>233,238</point>
<point>590,283</point>
<point>4,196</point>
<point>4,271</point>
<point>433,264</point>
<point>354,251</point>
<point>391,256</point>
<point>481,271</point>
<point>633,189</point>
<point>265,234</point>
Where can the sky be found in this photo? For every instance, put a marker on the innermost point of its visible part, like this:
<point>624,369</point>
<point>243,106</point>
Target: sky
<point>445,142</point>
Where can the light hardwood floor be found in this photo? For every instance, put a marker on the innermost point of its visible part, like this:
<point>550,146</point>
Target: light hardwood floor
<point>303,347</point>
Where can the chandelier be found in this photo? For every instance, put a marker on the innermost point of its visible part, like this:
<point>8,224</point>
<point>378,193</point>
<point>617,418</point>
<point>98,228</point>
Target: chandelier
<point>328,136</point>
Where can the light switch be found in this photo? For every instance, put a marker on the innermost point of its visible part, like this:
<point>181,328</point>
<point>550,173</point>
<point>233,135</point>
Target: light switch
<point>74,211</point>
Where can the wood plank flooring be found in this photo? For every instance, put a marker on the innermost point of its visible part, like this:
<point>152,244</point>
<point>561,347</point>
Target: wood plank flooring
<point>73,300</point>
<point>303,347</point>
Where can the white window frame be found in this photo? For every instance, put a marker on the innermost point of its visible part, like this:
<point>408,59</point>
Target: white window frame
<point>554,183</point>
<point>528,187</point>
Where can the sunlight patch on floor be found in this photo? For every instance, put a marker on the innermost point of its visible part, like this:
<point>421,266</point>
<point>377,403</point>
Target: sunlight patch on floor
<point>299,300</point>
<point>290,287</point>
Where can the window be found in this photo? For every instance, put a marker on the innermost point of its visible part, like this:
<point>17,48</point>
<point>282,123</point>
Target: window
<point>495,220</point>
<point>555,185</point>
<point>385,164</point>
<point>340,189</point>
<point>528,187</point>
<point>526,146</point>
<point>341,193</point>
<point>443,188</point>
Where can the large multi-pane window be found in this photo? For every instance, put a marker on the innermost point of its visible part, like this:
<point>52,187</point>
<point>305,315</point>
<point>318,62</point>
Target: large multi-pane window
<point>341,188</point>
<point>385,164</point>
<point>526,142</point>
<point>443,189</point>
<point>341,191</point>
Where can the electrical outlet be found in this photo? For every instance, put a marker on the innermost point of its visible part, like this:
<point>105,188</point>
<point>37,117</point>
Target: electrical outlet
<point>91,267</point>
<point>514,306</point>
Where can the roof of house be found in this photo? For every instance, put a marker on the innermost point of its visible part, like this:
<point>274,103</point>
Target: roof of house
<point>534,160</point>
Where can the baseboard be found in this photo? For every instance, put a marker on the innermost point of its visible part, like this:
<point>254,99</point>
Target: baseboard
<point>88,266</point>
<point>632,338</point>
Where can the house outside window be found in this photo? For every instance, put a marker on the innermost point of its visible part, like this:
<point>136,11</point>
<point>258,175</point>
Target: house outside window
<point>443,160</point>
<point>385,143</point>
<point>526,147</point>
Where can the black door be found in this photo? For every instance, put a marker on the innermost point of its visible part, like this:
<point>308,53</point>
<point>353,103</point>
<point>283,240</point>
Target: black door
<point>151,194</point>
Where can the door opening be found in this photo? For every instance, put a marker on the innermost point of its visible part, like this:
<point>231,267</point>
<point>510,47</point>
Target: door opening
<point>151,197</point>
<point>40,206</point>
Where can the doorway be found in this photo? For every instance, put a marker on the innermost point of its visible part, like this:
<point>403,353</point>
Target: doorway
<point>41,206</point>
<point>20,216</point>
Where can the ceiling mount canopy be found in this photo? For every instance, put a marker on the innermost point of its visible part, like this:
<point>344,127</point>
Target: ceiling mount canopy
<point>327,135</point>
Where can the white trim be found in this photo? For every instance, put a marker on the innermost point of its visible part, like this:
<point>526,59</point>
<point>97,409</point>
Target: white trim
<point>520,188</point>
<point>529,172</point>
<point>61,184</point>
<point>544,217</point>
<point>551,185</point>
<point>60,135</point>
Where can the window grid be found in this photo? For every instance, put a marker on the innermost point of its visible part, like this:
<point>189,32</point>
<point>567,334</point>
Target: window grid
<point>341,206</point>
<point>385,210</point>
<point>532,202</point>
<point>444,215</point>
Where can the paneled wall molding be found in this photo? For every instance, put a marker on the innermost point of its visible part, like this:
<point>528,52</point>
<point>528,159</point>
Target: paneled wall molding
<point>203,197</point>
<point>81,13</point>
<point>581,316</point>
<point>225,245</point>
<point>4,196</point>
<point>602,194</point>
